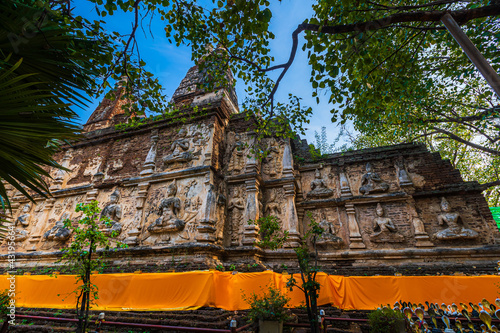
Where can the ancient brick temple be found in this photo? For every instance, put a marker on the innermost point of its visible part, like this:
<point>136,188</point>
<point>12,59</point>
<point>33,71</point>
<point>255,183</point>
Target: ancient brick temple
<point>181,190</point>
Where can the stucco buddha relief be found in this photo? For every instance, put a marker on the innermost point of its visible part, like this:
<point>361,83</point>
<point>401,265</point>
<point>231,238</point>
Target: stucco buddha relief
<point>455,226</point>
<point>113,211</point>
<point>21,223</point>
<point>169,210</point>
<point>384,229</point>
<point>171,216</point>
<point>371,182</point>
<point>187,147</point>
<point>180,149</point>
<point>329,238</point>
<point>58,233</point>
<point>319,188</point>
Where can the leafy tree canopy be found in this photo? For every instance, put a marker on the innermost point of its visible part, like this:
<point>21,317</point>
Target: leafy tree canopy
<point>384,65</point>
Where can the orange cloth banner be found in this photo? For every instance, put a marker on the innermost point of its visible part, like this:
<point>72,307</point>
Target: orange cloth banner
<point>191,290</point>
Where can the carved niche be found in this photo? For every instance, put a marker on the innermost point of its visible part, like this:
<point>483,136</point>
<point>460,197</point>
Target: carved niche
<point>456,228</point>
<point>384,230</point>
<point>371,182</point>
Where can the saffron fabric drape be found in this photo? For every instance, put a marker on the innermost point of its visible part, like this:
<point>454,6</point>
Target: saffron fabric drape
<point>191,290</point>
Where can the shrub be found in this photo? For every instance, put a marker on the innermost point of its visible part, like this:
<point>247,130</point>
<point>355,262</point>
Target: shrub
<point>386,321</point>
<point>269,306</point>
<point>4,302</point>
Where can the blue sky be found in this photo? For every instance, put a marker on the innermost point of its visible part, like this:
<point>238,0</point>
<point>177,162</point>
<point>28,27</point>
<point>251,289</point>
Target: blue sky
<point>170,63</point>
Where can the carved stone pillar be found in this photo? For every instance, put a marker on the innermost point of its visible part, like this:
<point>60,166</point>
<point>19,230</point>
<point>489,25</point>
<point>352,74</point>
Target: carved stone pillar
<point>291,219</point>
<point>422,239</point>
<point>38,229</point>
<point>206,228</point>
<point>61,174</point>
<point>356,242</point>
<point>345,189</point>
<point>149,165</point>
<point>133,234</point>
<point>287,161</point>
<point>251,231</point>
<point>251,165</point>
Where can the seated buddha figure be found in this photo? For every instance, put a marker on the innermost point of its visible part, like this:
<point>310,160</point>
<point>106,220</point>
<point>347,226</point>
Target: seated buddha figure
<point>319,188</point>
<point>180,149</point>
<point>168,210</point>
<point>456,229</point>
<point>113,212</point>
<point>384,229</point>
<point>371,182</point>
<point>328,237</point>
<point>59,232</point>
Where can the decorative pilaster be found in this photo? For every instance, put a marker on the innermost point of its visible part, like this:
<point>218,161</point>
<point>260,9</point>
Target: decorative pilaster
<point>149,165</point>
<point>251,231</point>
<point>422,239</point>
<point>61,174</point>
<point>345,189</point>
<point>206,228</point>
<point>251,165</point>
<point>356,242</point>
<point>133,234</point>
<point>291,219</point>
<point>287,162</point>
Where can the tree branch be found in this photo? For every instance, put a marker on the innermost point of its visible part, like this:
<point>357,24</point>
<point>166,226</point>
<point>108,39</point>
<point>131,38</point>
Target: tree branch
<point>462,16</point>
<point>486,186</point>
<point>468,143</point>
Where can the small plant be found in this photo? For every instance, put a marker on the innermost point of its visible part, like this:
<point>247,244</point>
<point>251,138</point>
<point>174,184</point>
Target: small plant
<point>271,305</point>
<point>273,237</point>
<point>386,320</point>
<point>4,302</point>
<point>232,267</point>
<point>219,268</point>
<point>284,267</point>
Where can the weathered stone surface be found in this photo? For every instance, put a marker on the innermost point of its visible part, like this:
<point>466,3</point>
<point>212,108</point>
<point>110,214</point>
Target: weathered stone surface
<point>220,186</point>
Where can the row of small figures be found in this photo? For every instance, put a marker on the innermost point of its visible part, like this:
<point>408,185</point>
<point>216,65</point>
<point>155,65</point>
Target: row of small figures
<point>484,310</point>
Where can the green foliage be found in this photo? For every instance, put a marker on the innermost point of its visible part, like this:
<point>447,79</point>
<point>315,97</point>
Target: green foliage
<point>83,258</point>
<point>386,320</point>
<point>308,263</point>
<point>272,235</point>
<point>232,267</point>
<point>219,268</point>
<point>4,302</point>
<point>271,305</point>
<point>41,77</point>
